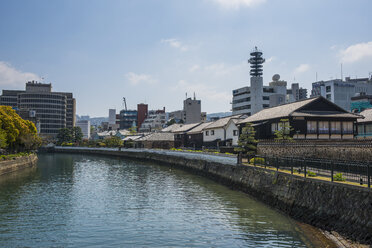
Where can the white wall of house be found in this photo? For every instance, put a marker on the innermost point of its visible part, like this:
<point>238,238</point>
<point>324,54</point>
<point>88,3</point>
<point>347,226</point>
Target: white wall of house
<point>218,134</point>
<point>230,133</point>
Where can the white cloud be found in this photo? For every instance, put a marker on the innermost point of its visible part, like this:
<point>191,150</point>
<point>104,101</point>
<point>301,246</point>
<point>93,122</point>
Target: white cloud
<point>302,68</point>
<point>10,76</point>
<point>176,44</point>
<point>236,4</point>
<point>194,68</point>
<point>220,69</point>
<point>356,52</point>
<point>269,60</point>
<point>136,79</point>
<point>202,91</point>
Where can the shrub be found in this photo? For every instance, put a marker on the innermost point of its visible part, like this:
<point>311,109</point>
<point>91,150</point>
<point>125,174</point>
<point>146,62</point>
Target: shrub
<point>257,161</point>
<point>339,177</point>
<point>311,174</point>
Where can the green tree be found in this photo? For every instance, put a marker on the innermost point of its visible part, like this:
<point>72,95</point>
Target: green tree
<point>64,135</point>
<point>171,122</point>
<point>113,141</point>
<point>247,143</point>
<point>284,131</point>
<point>77,134</point>
<point>133,130</point>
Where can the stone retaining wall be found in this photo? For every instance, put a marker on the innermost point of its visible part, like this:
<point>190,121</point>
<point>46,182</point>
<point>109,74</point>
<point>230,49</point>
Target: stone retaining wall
<point>18,163</point>
<point>356,151</point>
<point>331,206</point>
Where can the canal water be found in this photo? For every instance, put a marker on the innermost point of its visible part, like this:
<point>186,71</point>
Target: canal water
<point>92,201</point>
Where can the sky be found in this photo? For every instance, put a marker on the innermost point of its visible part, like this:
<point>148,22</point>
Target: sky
<point>156,51</point>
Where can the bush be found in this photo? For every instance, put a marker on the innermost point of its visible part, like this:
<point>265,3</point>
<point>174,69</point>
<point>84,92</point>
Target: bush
<point>339,177</point>
<point>257,161</point>
<point>67,144</point>
<point>311,174</point>
<point>14,156</point>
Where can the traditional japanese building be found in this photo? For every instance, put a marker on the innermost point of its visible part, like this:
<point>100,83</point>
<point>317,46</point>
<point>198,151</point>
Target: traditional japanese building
<point>314,118</point>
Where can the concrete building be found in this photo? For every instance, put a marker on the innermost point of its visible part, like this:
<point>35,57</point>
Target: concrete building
<point>55,110</point>
<point>85,128</point>
<point>128,119</point>
<point>340,92</point>
<point>360,102</point>
<point>142,112</point>
<point>191,112</point>
<point>112,116</point>
<point>154,121</point>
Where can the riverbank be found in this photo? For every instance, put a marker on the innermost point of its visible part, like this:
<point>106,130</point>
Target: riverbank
<point>17,163</point>
<point>329,206</point>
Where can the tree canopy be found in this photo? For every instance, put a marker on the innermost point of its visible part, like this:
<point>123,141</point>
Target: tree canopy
<point>17,134</point>
<point>247,142</point>
<point>284,131</point>
<point>69,135</point>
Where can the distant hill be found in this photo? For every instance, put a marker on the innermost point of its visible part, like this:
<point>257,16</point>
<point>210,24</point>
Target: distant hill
<point>220,115</point>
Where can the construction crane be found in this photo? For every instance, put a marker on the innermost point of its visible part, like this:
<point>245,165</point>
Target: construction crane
<point>125,104</point>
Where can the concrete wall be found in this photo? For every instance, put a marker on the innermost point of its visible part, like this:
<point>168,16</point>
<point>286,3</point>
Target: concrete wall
<point>8,166</point>
<point>330,206</point>
<point>353,150</point>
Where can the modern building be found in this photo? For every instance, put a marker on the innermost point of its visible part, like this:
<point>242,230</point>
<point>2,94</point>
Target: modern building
<point>55,110</point>
<point>112,116</point>
<point>155,121</point>
<point>191,112</point>
<point>360,102</point>
<point>85,128</point>
<point>128,119</point>
<point>29,115</point>
<point>313,118</point>
<point>340,92</point>
<point>142,112</point>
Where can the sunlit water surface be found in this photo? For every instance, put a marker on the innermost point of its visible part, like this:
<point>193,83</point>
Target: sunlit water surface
<point>91,201</point>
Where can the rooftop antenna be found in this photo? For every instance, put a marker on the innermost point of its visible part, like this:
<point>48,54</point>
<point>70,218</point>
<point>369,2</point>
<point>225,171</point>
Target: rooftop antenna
<point>125,104</point>
<point>194,96</point>
<point>186,95</point>
<point>341,73</point>
<point>316,76</point>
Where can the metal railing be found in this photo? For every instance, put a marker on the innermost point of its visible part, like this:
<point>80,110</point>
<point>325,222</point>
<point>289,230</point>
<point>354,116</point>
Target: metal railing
<point>335,170</point>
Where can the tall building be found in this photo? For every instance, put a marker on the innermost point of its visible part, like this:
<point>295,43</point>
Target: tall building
<point>340,92</point>
<point>85,128</point>
<point>191,110</point>
<point>154,121</point>
<point>128,119</point>
<point>142,112</point>
<point>54,110</point>
<point>112,116</point>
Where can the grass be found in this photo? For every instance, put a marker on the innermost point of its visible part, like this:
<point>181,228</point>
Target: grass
<point>15,155</point>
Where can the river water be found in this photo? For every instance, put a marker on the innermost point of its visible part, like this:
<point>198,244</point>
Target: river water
<point>92,201</point>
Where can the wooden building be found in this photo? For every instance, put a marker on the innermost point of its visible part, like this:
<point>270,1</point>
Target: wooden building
<point>364,126</point>
<point>180,134</point>
<point>314,118</point>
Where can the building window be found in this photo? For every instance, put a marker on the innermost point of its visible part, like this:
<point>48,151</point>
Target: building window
<point>368,129</point>
<point>212,132</point>
<point>265,98</point>
<point>274,127</point>
<point>335,127</point>
<point>329,97</point>
<point>206,133</point>
<point>328,88</point>
<point>361,129</point>
<point>235,132</point>
<point>311,127</point>
<point>323,127</point>
<point>347,127</point>
<point>265,105</point>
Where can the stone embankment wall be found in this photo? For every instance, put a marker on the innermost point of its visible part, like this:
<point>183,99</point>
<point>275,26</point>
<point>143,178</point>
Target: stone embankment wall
<point>19,163</point>
<point>331,206</point>
<point>357,150</point>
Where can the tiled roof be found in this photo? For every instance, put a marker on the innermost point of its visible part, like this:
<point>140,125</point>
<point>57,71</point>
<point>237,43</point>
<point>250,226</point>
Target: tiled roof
<point>294,109</point>
<point>367,113</point>
<point>186,127</point>
<point>171,128</point>
<point>124,132</point>
<point>133,137</point>
<point>161,136</point>
<point>223,122</point>
<point>199,129</point>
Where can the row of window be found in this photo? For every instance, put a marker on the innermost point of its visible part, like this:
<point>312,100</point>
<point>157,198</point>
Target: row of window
<point>247,99</point>
<point>211,132</point>
<point>42,96</point>
<point>326,127</point>
<point>242,107</point>
<point>47,101</point>
<point>42,106</point>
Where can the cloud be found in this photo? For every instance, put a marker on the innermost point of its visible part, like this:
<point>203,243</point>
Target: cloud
<point>302,68</point>
<point>136,79</point>
<point>176,44</point>
<point>10,76</point>
<point>202,91</point>
<point>269,60</point>
<point>236,4</point>
<point>220,69</point>
<point>194,68</point>
<point>356,52</point>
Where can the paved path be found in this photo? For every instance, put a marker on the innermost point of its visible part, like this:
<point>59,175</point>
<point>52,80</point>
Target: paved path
<point>230,160</point>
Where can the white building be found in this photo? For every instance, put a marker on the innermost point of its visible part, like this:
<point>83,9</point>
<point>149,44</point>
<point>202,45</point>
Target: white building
<point>85,128</point>
<point>340,92</point>
<point>112,116</point>
<point>155,121</point>
<point>222,132</point>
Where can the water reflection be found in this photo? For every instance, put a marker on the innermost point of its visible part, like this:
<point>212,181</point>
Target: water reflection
<point>76,200</point>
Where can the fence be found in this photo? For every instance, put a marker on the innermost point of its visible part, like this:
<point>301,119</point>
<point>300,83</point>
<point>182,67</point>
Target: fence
<point>336,170</point>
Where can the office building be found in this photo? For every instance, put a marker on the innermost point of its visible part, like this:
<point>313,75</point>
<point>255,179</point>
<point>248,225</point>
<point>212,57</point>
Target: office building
<point>142,112</point>
<point>54,110</point>
<point>112,116</point>
<point>155,121</point>
<point>85,128</point>
<point>340,92</point>
<point>128,119</point>
<point>191,110</point>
